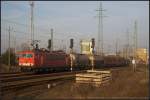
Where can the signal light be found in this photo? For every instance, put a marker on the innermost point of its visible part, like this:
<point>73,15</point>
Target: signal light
<point>49,44</point>
<point>37,46</point>
<point>93,43</point>
<point>71,43</point>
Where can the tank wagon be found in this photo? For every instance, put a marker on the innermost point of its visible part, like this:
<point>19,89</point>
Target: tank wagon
<point>82,61</point>
<point>98,61</point>
<point>114,61</point>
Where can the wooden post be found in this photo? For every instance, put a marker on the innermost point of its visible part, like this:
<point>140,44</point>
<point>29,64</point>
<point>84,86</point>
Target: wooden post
<point>92,62</point>
<point>71,56</point>
<point>134,65</point>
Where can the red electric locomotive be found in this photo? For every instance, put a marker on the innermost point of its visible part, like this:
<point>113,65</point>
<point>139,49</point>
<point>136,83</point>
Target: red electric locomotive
<point>38,60</point>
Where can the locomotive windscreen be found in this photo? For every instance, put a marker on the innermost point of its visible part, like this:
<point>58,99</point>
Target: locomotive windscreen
<point>27,55</point>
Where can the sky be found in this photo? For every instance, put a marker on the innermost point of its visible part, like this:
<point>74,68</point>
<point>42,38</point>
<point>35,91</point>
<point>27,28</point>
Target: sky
<point>75,19</point>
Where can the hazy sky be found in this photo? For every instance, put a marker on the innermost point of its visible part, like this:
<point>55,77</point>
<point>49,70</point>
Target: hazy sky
<point>75,19</point>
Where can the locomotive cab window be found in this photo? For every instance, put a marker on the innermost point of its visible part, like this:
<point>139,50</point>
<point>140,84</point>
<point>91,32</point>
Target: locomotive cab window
<point>27,55</point>
<point>24,55</point>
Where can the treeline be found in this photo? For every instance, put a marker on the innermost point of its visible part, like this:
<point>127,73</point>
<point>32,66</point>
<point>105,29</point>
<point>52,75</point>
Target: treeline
<point>5,57</point>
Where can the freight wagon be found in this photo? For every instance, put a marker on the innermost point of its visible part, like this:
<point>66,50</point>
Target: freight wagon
<point>114,61</point>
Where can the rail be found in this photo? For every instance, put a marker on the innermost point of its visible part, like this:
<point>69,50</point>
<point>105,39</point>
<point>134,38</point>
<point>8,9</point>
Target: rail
<point>29,80</point>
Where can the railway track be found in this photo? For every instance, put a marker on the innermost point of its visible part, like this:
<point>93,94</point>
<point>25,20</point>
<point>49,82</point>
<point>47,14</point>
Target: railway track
<point>114,68</point>
<point>13,81</point>
<point>25,80</point>
<point>14,74</point>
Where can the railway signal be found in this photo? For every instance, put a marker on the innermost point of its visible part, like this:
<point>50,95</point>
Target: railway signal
<point>52,31</point>
<point>93,45</point>
<point>71,51</point>
<point>49,44</point>
<point>71,43</point>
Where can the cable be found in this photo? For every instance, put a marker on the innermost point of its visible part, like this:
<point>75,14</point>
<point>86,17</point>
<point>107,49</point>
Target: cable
<point>21,24</point>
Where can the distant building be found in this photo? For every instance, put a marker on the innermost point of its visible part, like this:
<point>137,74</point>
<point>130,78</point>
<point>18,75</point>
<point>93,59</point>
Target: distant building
<point>142,55</point>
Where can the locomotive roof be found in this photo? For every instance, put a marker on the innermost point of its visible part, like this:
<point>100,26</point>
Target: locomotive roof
<point>40,51</point>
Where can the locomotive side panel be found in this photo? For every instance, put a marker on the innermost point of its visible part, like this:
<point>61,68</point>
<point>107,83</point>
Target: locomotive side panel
<point>38,59</point>
<point>55,60</point>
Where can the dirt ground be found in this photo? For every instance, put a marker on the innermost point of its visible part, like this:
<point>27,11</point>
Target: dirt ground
<point>125,84</point>
<point>6,69</point>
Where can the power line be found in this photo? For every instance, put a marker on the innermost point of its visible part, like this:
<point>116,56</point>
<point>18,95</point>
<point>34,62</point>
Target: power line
<point>18,36</point>
<point>41,36</point>
<point>5,29</point>
<point>9,21</point>
<point>39,28</point>
<point>17,31</point>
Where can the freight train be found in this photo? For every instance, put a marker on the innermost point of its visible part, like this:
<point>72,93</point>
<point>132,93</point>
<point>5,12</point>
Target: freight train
<point>114,61</point>
<point>44,60</point>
